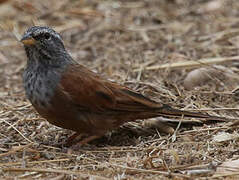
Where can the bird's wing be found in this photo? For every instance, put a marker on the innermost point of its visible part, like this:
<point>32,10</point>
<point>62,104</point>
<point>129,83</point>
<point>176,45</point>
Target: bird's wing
<point>89,91</point>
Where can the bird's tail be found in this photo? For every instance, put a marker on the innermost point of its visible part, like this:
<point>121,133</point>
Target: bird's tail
<point>166,110</point>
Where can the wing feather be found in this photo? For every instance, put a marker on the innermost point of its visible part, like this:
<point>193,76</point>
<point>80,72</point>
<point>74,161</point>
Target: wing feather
<point>91,92</point>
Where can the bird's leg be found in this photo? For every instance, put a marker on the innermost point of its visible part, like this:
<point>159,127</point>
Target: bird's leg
<point>70,140</point>
<point>82,142</point>
<point>88,139</point>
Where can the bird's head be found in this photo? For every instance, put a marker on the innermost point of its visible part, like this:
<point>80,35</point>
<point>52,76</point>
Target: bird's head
<point>43,44</point>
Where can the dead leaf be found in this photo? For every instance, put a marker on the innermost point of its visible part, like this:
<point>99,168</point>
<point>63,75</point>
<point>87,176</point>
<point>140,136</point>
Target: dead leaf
<point>214,74</point>
<point>224,136</point>
<point>228,167</point>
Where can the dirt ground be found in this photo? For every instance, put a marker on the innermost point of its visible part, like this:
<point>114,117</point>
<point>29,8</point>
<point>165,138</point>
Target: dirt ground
<point>180,52</point>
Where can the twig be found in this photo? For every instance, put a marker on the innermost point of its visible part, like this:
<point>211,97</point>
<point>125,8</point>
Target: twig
<point>56,171</point>
<point>150,171</point>
<point>17,130</point>
<point>34,162</point>
<point>207,129</point>
<point>214,109</point>
<point>174,136</point>
<point>15,150</point>
<point>226,175</point>
<point>191,64</point>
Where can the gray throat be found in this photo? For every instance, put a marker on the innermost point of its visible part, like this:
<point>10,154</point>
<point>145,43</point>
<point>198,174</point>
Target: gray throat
<point>41,78</point>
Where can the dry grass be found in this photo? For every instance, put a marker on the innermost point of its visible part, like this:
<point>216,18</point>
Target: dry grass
<point>150,46</point>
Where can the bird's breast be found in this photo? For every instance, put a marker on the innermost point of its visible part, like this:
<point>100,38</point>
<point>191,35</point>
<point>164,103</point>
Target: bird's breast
<point>40,86</point>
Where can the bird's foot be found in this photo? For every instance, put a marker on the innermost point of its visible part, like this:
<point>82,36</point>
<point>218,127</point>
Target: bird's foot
<point>81,143</point>
<point>73,138</point>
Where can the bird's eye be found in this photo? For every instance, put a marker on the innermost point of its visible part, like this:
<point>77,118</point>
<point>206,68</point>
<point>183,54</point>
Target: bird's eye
<point>47,36</point>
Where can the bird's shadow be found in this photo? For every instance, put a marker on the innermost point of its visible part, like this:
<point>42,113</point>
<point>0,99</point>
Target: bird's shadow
<point>124,136</point>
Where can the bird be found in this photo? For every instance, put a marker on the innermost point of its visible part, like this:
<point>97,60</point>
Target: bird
<point>70,96</point>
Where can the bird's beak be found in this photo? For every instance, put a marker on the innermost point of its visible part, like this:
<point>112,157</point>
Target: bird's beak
<point>28,40</point>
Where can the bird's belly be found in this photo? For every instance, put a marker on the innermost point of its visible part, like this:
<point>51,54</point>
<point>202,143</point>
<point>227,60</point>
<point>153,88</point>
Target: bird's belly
<point>78,121</point>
